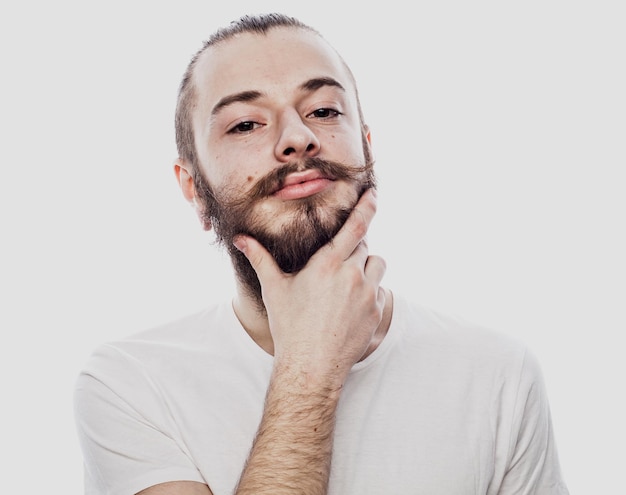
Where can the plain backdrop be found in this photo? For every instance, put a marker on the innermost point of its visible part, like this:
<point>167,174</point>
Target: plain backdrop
<point>499,133</point>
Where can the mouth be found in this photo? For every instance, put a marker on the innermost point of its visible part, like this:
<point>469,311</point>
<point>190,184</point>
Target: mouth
<point>300,185</point>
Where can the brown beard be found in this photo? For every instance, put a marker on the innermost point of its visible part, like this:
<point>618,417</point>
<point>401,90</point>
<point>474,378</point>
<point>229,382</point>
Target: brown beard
<point>313,224</point>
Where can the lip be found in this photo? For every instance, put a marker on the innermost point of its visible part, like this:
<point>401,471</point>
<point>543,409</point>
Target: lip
<point>303,184</point>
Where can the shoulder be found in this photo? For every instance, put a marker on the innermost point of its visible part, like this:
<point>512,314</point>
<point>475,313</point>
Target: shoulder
<point>460,343</point>
<point>437,327</point>
<point>190,328</point>
<point>170,342</point>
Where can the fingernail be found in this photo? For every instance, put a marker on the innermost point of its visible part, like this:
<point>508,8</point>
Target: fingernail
<point>241,244</point>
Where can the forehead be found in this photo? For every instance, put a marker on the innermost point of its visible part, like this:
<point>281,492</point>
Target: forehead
<point>278,60</point>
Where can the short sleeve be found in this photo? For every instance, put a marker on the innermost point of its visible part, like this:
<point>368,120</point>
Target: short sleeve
<point>533,464</point>
<point>127,439</point>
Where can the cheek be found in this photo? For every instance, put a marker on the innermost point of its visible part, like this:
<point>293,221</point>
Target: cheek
<point>347,143</point>
<point>233,183</point>
<point>351,154</point>
<point>236,169</point>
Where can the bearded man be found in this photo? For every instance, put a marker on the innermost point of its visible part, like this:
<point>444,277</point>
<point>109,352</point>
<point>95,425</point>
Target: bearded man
<point>313,377</point>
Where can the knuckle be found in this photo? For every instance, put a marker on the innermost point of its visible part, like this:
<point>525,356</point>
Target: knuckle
<point>379,261</point>
<point>359,226</point>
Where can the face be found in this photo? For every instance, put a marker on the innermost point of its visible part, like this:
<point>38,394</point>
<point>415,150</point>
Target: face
<point>282,153</point>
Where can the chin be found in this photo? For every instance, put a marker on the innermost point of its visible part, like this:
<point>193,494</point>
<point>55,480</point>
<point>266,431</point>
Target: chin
<point>323,210</point>
<point>305,226</point>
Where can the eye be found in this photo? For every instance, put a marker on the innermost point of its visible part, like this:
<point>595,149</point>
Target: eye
<point>244,127</point>
<point>324,113</point>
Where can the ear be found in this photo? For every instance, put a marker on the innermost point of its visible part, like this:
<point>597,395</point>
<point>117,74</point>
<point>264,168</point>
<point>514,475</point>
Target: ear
<point>185,180</point>
<point>367,140</point>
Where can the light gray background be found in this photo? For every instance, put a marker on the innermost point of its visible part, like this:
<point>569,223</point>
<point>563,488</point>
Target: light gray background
<point>499,132</point>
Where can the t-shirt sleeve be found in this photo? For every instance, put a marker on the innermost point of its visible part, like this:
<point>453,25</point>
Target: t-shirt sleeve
<point>128,440</point>
<point>533,465</point>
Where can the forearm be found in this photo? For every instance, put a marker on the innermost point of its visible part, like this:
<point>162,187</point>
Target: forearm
<point>322,320</point>
<point>293,447</point>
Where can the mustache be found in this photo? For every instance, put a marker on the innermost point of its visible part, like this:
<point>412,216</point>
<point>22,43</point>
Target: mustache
<point>274,180</point>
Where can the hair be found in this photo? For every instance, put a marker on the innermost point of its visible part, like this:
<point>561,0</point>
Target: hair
<point>187,94</point>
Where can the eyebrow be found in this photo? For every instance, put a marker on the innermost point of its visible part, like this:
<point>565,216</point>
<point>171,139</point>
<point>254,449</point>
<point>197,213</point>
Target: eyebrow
<point>246,96</point>
<point>319,82</point>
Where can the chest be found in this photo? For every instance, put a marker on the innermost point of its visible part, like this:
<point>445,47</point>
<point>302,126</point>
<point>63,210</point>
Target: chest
<point>393,435</point>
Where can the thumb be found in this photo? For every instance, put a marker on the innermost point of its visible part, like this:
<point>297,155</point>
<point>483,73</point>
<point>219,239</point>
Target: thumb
<point>261,260</point>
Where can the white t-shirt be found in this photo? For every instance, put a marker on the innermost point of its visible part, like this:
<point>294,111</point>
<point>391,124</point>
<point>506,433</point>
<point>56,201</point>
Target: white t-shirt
<point>440,407</point>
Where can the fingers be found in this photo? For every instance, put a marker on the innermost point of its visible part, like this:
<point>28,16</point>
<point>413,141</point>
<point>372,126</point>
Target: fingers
<point>353,232</point>
<point>350,239</point>
<point>375,268</point>
<point>261,260</point>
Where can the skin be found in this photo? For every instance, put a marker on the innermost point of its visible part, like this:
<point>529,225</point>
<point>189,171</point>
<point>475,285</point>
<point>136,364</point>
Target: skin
<point>334,312</point>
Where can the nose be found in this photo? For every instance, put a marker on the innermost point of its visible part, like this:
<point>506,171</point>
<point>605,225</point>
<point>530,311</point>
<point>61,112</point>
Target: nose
<point>296,139</point>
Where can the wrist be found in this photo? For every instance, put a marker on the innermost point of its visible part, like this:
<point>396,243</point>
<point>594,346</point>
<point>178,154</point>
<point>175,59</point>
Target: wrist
<point>309,379</point>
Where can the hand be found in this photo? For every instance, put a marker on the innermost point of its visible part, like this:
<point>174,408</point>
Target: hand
<point>323,318</point>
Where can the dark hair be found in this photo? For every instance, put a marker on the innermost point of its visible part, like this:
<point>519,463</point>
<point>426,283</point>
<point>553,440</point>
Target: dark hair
<point>260,24</point>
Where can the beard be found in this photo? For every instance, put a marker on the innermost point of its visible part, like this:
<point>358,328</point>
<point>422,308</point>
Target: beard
<point>309,223</point>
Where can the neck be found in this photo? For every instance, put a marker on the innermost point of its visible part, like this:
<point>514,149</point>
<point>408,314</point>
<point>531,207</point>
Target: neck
<point>256,324</point>
<point>253,319</point>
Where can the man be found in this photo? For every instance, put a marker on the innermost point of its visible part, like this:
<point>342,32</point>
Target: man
<point>314,378</point>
